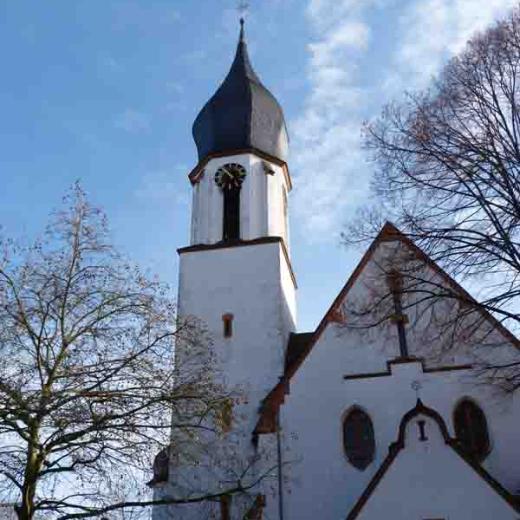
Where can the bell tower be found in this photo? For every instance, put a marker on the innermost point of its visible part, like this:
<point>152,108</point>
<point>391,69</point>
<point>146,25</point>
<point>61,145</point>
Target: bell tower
<point>241,182</point>
<point>236,274</point>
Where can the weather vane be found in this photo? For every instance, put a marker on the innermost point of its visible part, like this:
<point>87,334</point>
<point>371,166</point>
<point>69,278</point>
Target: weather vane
<point>243,8</point>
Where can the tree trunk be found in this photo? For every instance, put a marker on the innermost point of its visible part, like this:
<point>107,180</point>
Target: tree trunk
<point>26,509</point>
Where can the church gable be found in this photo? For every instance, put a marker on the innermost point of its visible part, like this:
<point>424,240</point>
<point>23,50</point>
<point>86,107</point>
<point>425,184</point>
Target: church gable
<point>365,327</point>
<point>415,308</point>
<point>400,304</point>
<point>427,475</point>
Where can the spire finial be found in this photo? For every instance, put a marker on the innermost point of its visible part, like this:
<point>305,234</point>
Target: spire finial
<point>242,21</point>
<point>242,7</point>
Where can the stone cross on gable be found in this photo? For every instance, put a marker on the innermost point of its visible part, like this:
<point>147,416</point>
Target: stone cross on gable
<point>395,284</point>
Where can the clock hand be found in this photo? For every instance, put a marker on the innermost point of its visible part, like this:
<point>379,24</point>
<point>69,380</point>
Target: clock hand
<point>224,171</point>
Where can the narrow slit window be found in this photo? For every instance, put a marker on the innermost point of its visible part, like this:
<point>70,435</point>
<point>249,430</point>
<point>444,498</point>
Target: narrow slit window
<point>227,320</point>
<point>226,415</point>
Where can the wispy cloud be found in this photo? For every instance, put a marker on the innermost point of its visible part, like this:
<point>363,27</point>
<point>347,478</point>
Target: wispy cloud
<point>331,172</point>
<point>196,55</point>
<point>163,186</point>
<point>108,64</point>
<point>145,18</point>
<point>132,121</point>
<point>434,30</point>
<point>326,149</point>
<point>175,86</point>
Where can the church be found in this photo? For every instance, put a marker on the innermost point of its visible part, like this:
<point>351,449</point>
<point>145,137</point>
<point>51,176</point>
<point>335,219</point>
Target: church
<point>362,418</point>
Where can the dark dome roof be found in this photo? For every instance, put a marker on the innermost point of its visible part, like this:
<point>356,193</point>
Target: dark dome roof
<point>241,114</point>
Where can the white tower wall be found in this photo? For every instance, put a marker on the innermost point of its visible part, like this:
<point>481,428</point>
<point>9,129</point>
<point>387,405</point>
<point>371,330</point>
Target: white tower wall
<point>254,284</point>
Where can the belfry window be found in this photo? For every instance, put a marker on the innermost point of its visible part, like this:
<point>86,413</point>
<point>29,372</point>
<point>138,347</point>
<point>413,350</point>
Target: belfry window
<point>471,429</point>
<point>229,179</point>
<point>231,230</point>
<point>358,438</point>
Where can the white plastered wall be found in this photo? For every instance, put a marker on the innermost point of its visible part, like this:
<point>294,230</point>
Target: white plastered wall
<point>252,283</point>
<point>321,481</point>
<point>428,479</point>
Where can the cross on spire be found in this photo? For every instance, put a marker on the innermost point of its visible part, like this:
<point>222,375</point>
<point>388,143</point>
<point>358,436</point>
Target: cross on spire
<point>242,8</point>
<point>241,29</point>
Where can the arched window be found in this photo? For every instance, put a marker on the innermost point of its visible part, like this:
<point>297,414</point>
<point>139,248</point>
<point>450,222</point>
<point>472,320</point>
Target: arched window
<point>471,429</point>
<point>358,438</point>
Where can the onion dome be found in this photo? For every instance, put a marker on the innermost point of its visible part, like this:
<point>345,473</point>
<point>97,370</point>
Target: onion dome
<point>242,114</point>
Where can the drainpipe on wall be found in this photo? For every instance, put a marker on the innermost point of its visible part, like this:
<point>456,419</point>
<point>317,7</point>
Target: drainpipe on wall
<point>280,475</point>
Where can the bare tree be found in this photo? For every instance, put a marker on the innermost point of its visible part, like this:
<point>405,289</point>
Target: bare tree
<point>448,173</point>
<point>87,376</point>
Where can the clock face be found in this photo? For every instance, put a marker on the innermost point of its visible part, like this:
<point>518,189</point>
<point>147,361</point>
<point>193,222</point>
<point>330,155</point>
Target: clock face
<point>230,176</point>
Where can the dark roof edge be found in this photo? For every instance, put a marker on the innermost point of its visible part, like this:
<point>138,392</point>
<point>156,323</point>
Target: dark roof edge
<point>226,244</point>
<point>411,359</point>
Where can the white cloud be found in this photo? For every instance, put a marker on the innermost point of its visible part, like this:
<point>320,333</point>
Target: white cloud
<point>434,30</point>
<point>330,170</point>
<point>196,55</point>
<point>162,186</point>
<point>132,121</point>
<point>325,138</point>
<point>108,64</point>
<point>175,86</point>
<point>326,13</point>
<point>144,18</point>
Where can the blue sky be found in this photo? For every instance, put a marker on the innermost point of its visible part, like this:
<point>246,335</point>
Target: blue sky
<point>106,92</point>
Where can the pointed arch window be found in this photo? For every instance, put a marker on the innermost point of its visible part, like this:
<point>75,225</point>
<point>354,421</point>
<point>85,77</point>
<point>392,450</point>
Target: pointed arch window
<point>471,429</point>
<point>358,438</point>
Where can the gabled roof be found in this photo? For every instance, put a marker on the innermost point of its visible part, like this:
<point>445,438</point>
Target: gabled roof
<point>388,233</point>
<point>397,446</point>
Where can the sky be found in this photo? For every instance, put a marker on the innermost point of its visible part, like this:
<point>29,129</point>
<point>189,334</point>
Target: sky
<point>106,91</point>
